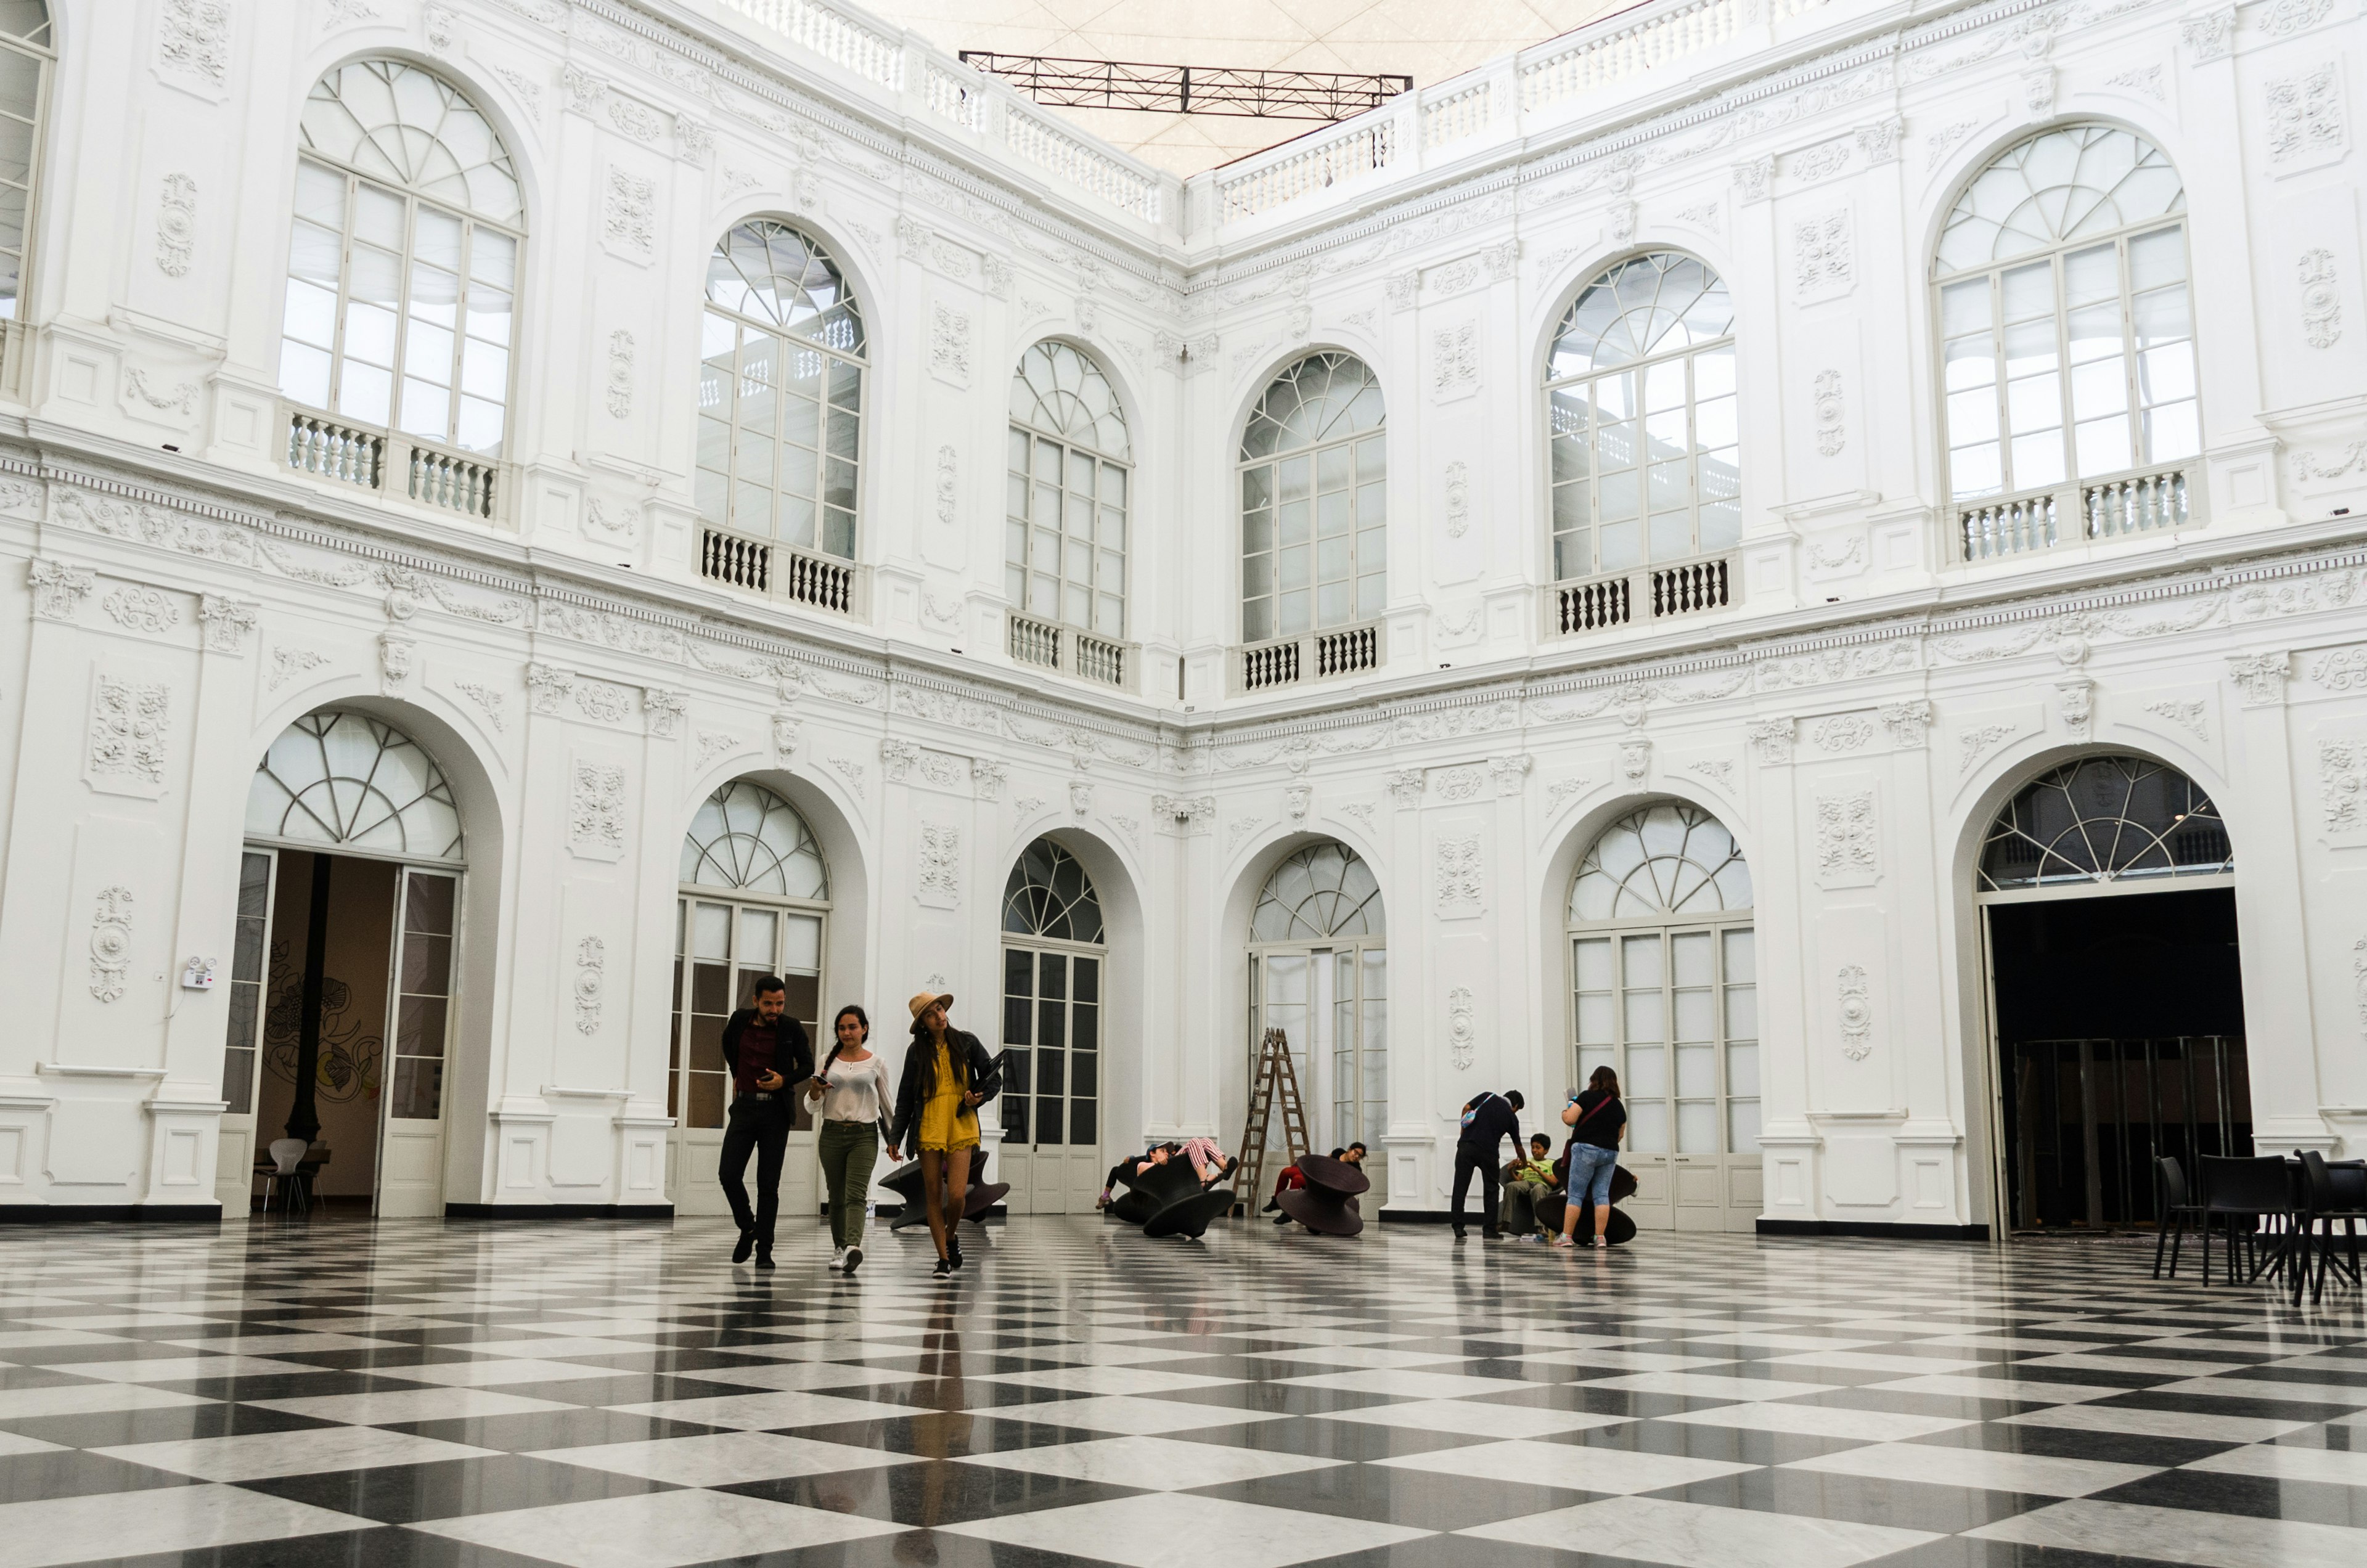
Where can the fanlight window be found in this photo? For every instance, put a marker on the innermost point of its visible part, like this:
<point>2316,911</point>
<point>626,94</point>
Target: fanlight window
<point>780,390</point>
<point>403,260</point>
<point>1666,860</point>
<point>1314,550</point>
<point>746,837</point>
<point>1323,893</point>
<point>1050,896</point>
<point>1065,540</point>
<point>25,58</point>
<point>347,781</point>
<point>2105,820</point>
<point>1640,409</point>
<point>2066,331</point>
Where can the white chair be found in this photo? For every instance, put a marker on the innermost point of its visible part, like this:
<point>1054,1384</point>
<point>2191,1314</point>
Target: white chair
<point>287,1172</point>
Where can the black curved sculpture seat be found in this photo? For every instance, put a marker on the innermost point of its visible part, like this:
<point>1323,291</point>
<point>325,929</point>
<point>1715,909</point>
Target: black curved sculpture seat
<point>1326,1204</point>
<point>905,1182</point>
<point>1621,1230</point>
<point>1168,1200</point>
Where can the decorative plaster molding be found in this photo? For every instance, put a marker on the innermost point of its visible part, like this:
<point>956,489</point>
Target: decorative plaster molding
<point>938,884</point>
<point>110,943</point>
<point>129,731</point>
<point>2261,677</point>
<point>1856,1013</point>
<point>591,962</point>
<point>596,811</point>
<point>1848,850</point>
<point>226,622</point>
<point>176,224</point>
<point>1772,739</point>
<point>1462,1034</point>
<point>1459,868</point>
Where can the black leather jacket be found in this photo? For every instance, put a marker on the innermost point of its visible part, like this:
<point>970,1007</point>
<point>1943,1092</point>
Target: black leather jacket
<point>793,1058</point>
<point>981,1073</point>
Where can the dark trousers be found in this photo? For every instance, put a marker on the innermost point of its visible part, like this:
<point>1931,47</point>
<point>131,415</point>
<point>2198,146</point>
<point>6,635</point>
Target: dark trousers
<point>1468,1161</point>
<point>762,1125</point>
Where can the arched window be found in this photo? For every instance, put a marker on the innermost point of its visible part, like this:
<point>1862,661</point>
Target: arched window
<point>356,785</point>
<point>402,266</point>
<point>746,837</point>
<point>780,391</point>
<point>1640,416</point>
<point>1663,977</point>
<point>25,55</point>
<point>2105,820</point>
<point>1321,892</point>
<point>2066,336</point>
<point>1050,896</point>
<point>1314,549</point>
<point>1065,551</point>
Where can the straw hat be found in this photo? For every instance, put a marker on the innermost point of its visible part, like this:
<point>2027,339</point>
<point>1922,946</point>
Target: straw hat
<point>927,999</point>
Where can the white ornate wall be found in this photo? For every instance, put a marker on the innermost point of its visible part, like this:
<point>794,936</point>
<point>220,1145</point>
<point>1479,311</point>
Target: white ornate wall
<point>1855,718</point>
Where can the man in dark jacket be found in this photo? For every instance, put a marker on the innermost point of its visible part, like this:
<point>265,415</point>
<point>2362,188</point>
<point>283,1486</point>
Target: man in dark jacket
<point>769,1057</point>
<point>1485,1119</point>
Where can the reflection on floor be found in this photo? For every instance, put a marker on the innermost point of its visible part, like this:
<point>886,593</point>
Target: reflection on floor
<point>598,1395</point>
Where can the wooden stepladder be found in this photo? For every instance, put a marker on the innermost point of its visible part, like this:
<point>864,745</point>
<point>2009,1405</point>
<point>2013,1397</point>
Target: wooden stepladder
<point>1276,1077</point>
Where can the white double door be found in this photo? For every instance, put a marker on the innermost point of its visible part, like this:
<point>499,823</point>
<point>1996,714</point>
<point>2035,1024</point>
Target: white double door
<point>1674,1011</point>
<point>722,945</point>
<point>1051,1149</point>
<point>409,1181</point>
<point>1332,1004</point>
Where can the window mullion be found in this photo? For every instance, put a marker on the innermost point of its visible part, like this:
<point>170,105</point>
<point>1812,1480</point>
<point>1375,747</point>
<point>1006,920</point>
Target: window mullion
<point>460,331</point>
<point>345,295</point>
<point>2063,372</point>
<point>402,310</point>
<point>2140,449</point>
<point>2006,476</point>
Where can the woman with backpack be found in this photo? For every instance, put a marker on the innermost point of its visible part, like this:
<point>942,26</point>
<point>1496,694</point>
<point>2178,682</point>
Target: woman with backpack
<point>1596,1121</point>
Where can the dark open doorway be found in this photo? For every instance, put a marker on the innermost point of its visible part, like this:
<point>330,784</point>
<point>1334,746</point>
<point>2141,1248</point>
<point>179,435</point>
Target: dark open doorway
<point>2120,1030</point>
<point>348,903</point>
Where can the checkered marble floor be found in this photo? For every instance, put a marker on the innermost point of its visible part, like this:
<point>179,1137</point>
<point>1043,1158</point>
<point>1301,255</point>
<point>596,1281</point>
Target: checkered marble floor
<point>617,1397</point>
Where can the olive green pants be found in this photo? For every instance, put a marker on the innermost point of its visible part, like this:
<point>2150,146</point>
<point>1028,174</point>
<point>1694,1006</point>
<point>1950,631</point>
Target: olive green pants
<point>849,1150</point>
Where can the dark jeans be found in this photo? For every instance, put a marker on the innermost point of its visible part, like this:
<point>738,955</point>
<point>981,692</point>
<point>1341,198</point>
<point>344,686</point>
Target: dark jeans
<point>762,1125</point>
<point>1468,1161</point>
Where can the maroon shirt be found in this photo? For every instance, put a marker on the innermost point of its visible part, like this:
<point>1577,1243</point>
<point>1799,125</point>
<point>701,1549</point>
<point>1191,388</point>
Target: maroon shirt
<point>758,1044</point>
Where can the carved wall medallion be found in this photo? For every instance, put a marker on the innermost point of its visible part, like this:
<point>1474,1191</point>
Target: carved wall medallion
<point>596,811</point>
<point>176,224</point>
<point>1455,362</point>
<point>1856,1013</point>
<point>603,700</point>
<point>110,943</point>
<point>1823,264</point>
<point>1459,871</point>
<point>591,962</point>
<point>949,344</point>
<point>131,726</point>
<point>1848,853</point>
<point>1830,435</point>
<point>140,610</point>
<point>621,374</point>
<point>1459,499</point>
<point>2321,301</point>
<point>1843,732</point>
<point>1462,1033</point>
<point>939,883</point>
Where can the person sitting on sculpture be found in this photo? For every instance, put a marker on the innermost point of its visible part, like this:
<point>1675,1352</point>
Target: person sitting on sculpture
<point>1528,1183</point>
<point>1133,1166</point>
<point>1292,1179</point>
<point>1209,1162</point>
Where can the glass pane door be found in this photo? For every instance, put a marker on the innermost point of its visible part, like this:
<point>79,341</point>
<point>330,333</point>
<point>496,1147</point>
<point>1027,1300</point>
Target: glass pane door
<point>250,950</point>
<point>422,999</point>
<point>1051,1049</point>
<point>720,951</point>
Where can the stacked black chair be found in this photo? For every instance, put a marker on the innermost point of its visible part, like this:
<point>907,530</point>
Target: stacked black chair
<point>2179,1209</point>
<point>905,1182</point>
<point>1326,1204</point>
<point>2252,1200</point>
<point>1168,1200</point>
<point>1622,1228</point>
<point>2332,1194</point>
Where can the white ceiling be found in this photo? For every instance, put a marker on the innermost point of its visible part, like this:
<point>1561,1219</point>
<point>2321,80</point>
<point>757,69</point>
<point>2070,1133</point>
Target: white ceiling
<point>1427,39</point>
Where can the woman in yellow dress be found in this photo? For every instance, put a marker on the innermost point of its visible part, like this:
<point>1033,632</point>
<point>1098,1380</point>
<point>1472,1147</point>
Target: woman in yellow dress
<point>947,1076</point>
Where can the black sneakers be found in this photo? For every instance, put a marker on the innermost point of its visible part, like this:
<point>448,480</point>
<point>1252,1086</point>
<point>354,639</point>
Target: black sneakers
<point>944,1269</point>
<point>763,1255</point>
<point>953,1250</point>
<point>747,1245</point>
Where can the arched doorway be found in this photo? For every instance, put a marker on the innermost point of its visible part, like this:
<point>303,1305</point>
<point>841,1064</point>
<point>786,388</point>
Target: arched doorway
<point>1663,983</point>
<point>754,901</point>
<point>2107,889</point>
<point>1054,959</point>
<point>1319,972</point>
<point>341,984</point>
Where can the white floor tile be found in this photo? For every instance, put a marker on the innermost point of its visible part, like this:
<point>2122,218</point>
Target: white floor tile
<point>657,1529</point>
<point>1573,1467</point>
<point>2157,1423</point>
<point>496,1371</point>
<point>1121,1413</point>
<point>1690,1534</point>
<point>2038,1475</point>
<point>181,1369</point>
<point>251,1456</point>
<point>2027,1390</point>
<point>163,1518</point>
<point>1168,1530</point>
<point>2338,1467</point>
<point>725,1459</point>
<point>2339,1395</point>
<point>88,1398</point>
<point>1823,1421</point>
<point>759,1412</point>
<point>1108,1380</point>
<point>1476,1419</point>
<point>2182,1535</point>
<point>394,1407</point>
<point>1163,1464</point>
<point>1404,1384</point>
<point>1710,1385</point>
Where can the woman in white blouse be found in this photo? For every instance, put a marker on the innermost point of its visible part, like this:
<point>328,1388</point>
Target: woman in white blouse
<point>853,1087</point>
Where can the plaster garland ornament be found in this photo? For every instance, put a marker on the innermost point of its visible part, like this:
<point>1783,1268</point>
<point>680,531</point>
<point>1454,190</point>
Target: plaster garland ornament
<point>130,726</point>
<point>621,374</point>
<point>547,687</point>
<point>2261,677</point>
<point>596,811</point>
<point>1459,499</point>
<point>492,704</point>
<point>1462,1033</point>
<point>1844,732</point>
<point>394,660</point>
<point>1974,744</point>
<point>286,663</point>
<point>141,609</point>
<point>1830,435</point>
<point>182,397</point>
<point>1847,845</point>
<point>591,962</point>
<point>1909,724</point>
<point>1240,827</point>
<point>664,710</point>
<point>939,883</point>
<point>226,622</point>
<point>176,224</point>
<point>1457,867</point>
<point>1856,1013</point>
<point>1560,790</point>
<point>2321,299</point>
<point>1772,739</point>
<point>110,943</point>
